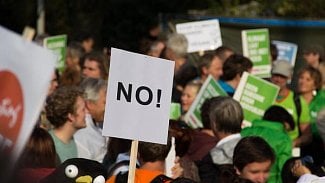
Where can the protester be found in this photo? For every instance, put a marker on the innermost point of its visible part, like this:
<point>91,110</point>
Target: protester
<point>202,141</point>
<point>233,68</point>
<point>71,74</point>
<point>224,52</point>
<point>66,110</point>
<point>273,129</point>
<point>43,122</point>
<point>210,64</point>
<point>253,158</point>
<point>310,88</point>
<point>226,116</point>
<point>38,159</point>
<point>314,56</point>
<point>95,65</point>
<point>176,50</point>
<point>189,94</point>
<point>281,73</point>
<point>152,159</point>
<point>91,144</point>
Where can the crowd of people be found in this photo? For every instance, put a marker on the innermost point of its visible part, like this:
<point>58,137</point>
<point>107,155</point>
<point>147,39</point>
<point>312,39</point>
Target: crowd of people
<point>70,124</point>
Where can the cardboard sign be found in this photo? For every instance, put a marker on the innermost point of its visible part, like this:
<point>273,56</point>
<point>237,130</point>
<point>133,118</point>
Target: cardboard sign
<point>286,51</point>
<point>209,89</point>
<point>59,45</point>
<point>256,46</point>
<point>201,35</point>
<point>25,75</point>
<point>255,95</point>
<point>138,97</point>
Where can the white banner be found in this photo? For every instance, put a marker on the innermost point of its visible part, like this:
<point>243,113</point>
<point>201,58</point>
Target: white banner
<point>138,97</point>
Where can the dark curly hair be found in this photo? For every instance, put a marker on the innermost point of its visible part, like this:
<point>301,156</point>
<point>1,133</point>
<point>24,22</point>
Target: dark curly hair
<point>61,103</point>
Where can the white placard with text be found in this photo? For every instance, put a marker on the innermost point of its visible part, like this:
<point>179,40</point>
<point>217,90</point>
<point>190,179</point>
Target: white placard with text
<point>201,35</point>
<point>138,97</point>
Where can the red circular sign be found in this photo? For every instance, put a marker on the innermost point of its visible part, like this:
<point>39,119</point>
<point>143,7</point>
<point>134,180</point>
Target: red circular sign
<point>11,109</point>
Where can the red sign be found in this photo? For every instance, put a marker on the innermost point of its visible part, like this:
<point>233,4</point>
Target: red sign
<point>11,110</point>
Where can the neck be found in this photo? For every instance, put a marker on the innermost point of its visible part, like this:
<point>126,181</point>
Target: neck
<point>283,93</point>
<point>65,132</point>
<point>222,135</point>
<point>308,96</point>
<point>208,131</point>
<point>154,166</point>
<point>233,83</point>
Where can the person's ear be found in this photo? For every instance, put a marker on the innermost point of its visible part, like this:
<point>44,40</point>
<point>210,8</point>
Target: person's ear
<point>71,117</point>
<point>205,70</point>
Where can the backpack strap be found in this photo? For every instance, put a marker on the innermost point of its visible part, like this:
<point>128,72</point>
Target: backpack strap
<point>115,166</point>
<point>122,177</point>
<point>296,99</point>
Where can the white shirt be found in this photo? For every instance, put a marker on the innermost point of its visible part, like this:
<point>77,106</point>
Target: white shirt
<point>90,142</point>
<point>310,178</point>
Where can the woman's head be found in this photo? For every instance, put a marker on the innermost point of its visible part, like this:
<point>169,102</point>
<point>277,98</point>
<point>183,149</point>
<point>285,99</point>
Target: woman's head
<point>39,151</point>
<point>310,79</point>
<point>189,93</point>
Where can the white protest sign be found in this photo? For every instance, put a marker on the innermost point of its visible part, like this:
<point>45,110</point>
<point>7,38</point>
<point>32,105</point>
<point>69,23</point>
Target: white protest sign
<point>201,35</point>
<point>286,51</point>
<point>25,75</point>
<point>138,97</point>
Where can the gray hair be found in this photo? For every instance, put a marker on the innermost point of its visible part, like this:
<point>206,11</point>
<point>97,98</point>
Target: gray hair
<point>178,44</point>
<point>226,115</point>
<point>92,86</point>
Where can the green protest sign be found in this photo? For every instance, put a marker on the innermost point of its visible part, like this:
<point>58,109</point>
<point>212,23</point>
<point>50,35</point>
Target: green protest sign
<point>209,89</point>
<point>58,44</point>
<point>255,95</point>
<point>175,111</point>
<point>256,46</point>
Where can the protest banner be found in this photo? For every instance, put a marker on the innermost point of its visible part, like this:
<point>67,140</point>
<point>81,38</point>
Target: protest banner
<point>59,46</point>
<point>175,111</point>
<point>201,35</point>
<point>255,95</point>
<point>209,89</point>
<point>256,46</point>
<point>25,74</point>
<point>138,100</point>
<point>286,51</point>
<point>139,97</point>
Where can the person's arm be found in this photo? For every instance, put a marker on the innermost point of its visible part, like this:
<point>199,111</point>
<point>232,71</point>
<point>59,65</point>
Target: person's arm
<point>305,137</point>
<point>304,126</point>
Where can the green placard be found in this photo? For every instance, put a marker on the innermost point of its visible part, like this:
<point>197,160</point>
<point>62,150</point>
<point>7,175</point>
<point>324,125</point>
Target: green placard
<point>59,45</point>
<point>175,111</point>
<point>255,96</point>
<point>256,46</point>
<point>209,89</point>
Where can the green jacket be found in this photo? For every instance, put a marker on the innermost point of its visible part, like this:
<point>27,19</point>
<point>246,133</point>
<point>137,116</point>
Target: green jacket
<point>316,105</point>
<point>275,134</point>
